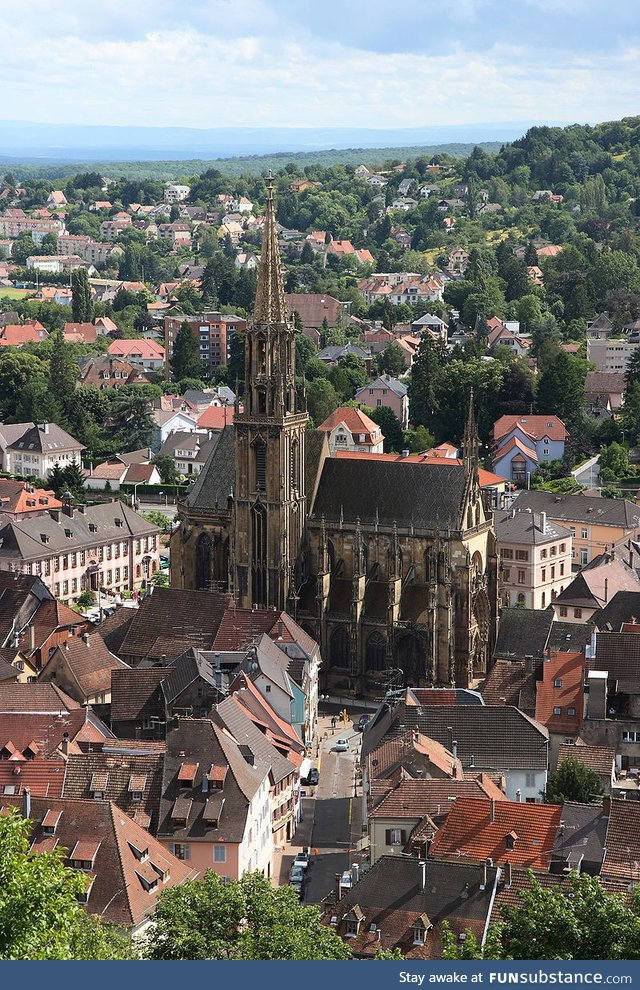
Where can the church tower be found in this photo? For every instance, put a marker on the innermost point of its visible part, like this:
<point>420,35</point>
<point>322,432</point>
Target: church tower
<point>269,497</point>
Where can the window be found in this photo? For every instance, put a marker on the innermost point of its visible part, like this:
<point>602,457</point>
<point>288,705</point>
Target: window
<point>572,530</point>
<point>562,548</point>
<point>521,599</point>
<point>507,554</point>
<point>553,573</point>
<point>571,711</point>
<point>351,928</point>
<point>419,933</point>
<point>181,851</point>
<point>395,836</point>
<point>522,554</point>
<point>506,575</point>
<point>219,854</point>
<point>577,613</point>
<point>557,682</point>
<point>554,551</point>
<point>557,711</point>
<point>543,603</point>
<point>544,573</point>
<point>631,737</point>
<point>543,554</point>
<point>530,780</point>
<point>583,557</point>
<point>583,533</point>
<point>561,568</point>
<point>521,577</point>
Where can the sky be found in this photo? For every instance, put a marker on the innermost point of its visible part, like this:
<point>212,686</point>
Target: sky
<point>333,63</point>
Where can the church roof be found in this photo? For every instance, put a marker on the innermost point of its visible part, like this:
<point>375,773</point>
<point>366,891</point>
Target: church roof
<point>215,483</point>
<point>404,493</point>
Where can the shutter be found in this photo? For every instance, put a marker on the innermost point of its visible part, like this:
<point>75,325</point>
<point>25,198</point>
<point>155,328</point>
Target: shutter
<point>187,852</point>
<point>387,837</point>
<point>403,837</point>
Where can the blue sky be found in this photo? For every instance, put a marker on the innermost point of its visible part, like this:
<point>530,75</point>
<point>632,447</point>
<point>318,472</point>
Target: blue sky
<point>365,63</point>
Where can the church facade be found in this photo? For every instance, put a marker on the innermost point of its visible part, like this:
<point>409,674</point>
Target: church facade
<point>391,566</point>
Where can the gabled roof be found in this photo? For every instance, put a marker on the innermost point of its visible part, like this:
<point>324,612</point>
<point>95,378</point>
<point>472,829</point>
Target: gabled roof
<point>561,692</point>
<point>216,418</point>
<point>622,858</point>
<point>126,776</point>
<point>514,443</point>
<point>536,427</point>
<point>619,654</point>
<point>598,758</point>
<point>36,699</point>
<point>523,632</point>
<point>260,711</point>
<point>20,496</point>
<point>385,381</point>
<point>171,620</point>
<point>399,892</point>
<point>433,797</point>
<point>509,683</point>
<point>598,581</point>
<point>49,440</point>
<point>504,831</point>
<point>582,508</point>
<point>246,733</point>
<point>124,889</point>
<point>623,607</point>
<point>48,731</point>
<point>88,663</point>
<point>137,693</point>
<point>527,527</point>
<point>354,420</point>
<point>140,347</point>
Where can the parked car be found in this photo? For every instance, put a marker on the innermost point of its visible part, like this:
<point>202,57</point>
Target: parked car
<point>363,722</point>
<point>342,746</point>
<point>296,876</point>
<point>301,861</point>
<point>313,777</point>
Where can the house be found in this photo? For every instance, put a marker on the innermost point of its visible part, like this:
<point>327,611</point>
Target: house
<point>125,867</point>
<point>85,547</point>
<point>80,333</point>
<point>386,391</point>
<point>102,371</point>
<point>520,833</point>
<point>520,443</point>
<point>348,428</point>
<point>315,310</point>
<point>16,335</point>
<point>81,666</point>
<point>560,699</point>
<point>408,816</point>
<point>191,450</point>
<point>598,581</point>
<point>265,665</point>
<point>170,421</point>
<point>457,260</point>
<point>432,325</point>
<point>332,354</point>
<point>39,449</point>
<point>50,626</point>
<point>112,474</point>
<point>215,418</point>
<point>284,773</point>
<point>494,739</point>
<point>215,808</point>
<point>130,779</point>
<point>505,335</point>
<point>600,759</point>
<point>148,354</point>
<point>194,684</point>
<point>596,524</point>
<point>604,391</point>
<point>600,328</point>
<point>21,500</point>
<point>137,702</point>
<point>402,903</point>
<point>535,555</point>
<point>212,330</point>
<point>613,702</point>
<point>176,193</point>
<point>56,199</point>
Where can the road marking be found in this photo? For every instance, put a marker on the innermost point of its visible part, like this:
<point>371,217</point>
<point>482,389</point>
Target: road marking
<point>350,809</point>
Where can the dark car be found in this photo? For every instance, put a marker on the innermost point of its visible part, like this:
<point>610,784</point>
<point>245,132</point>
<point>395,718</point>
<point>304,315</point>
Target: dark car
<point>363,722</point>
<point>313,777</point>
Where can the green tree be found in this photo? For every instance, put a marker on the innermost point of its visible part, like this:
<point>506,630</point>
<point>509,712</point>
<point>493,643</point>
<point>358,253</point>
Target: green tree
<point>392,360</point>
<point>63,369</point>
<point>81,301</point>
<point>238,919</point>
<point>614,462</point>
<point>19,372</point>
<point>391,428</point>
<point>131,420</point>
<point>561,387</point>
<point>573,781</point>
<point>426,373</point>
<point>418,440</point>
<point>186,361</point>
<point>167,470</point>
<point>40,917</point>
<point>322,399</point>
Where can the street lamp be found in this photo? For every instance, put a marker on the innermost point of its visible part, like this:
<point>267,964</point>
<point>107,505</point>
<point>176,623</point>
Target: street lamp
<point>166,497</point>
<point>134,497</point>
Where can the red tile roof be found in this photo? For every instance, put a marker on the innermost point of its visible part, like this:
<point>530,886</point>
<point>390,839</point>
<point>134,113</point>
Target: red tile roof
<point>355,421</point>
<point>536,427</point>
<point>147,349</point>
<point>469,832</point>
<point>487,478</point>
<point>561,691</point>
<point>622,857</point>
<point>17,496</point>
<point>216,418</point>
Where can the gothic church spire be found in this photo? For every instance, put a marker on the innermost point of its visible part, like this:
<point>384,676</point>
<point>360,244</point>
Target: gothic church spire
<point>270,306</point>
<point>470,442</point>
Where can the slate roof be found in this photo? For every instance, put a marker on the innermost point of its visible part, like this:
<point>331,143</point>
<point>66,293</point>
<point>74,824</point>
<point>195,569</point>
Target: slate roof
<point>582,508</point>
<point>522,632</point>
<point>479,829</point>
<point>623,607</point>
<point>392,896</point>
<point>23,539</point>
<point>47,441</point>
<point>619,654</point>
<point>114,628</point>
<point>391,492</point>
<point>494,737</point>
<point>603,576</point>
<point>170,621</point>
<point>569,636</point>
<point>118,892</point>
<point>204,744</point>
<point>120,770</point>
<point>622,858</point>
<point>216,481</point>
<point>526,527</point>
<point>582,834</point>
<point>191,666</point>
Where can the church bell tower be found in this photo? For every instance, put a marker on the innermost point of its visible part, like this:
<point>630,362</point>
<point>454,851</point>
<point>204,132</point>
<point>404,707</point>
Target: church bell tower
<point>270,497</point>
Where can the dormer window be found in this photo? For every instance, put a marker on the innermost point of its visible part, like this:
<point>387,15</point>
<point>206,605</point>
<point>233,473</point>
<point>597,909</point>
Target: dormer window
<point>83,855</point>
<point>181,811</point>
<point>50,822</point>
<point>511,840</point>
<point>93,528</point>
<point>137,783</point>
<point>140,851</point>
<point>98,785</point>
<point>213,810</point>
<point>83,898</point>
<point>187,774</point>
<point>44,537</point>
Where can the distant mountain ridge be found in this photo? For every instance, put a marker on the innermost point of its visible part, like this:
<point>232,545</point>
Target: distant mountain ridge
<point>44,142</point>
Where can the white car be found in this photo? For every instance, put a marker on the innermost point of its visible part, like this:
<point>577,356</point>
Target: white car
<point>346,881</point>
<point>342,746</point>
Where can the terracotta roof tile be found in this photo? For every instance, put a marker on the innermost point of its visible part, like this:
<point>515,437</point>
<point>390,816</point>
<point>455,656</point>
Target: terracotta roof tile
<point>622,858</point>
<point>560,693</point>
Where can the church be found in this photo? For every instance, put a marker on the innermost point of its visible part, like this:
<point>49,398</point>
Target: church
<point>391,566</point>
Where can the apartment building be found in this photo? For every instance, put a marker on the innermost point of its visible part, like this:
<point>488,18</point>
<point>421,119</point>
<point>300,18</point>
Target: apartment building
<point>535,557</point>
<point>213,331</point>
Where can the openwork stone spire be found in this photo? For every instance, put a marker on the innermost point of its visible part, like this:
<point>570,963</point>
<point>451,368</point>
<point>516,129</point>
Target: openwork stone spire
<point>470,442</point>
<point>270,304</point>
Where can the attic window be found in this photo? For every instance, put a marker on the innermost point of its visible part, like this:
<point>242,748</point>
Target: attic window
<point>139,851</point>
<point>352,927</point>
<point>83,855</point>
<point>213,810</point>
<point>181,811</point>
<point>84,896</point>
<point>50,822</point>
<point>98,785</point>
<point>93,528</point>
<point>44,537</point>
<point>9,789</point>
<point>511,840</point>
<point>187,774</point>
<point>119,522</point>
<point>67,532</point>
<point>557,682</point>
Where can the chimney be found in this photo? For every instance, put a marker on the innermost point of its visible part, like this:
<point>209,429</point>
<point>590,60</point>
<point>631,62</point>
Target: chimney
<point>26,803</point>
<point>423,874</point>
<point>64,745</point>
<point>85,637</point>
<point>507,874</point>
<point>483,882</point>
<point>606,805</point>
<point>543,522</point>
<point>492,811</point>
<point>606,589</point>
<point>405,453</point>
<point>454,749</point>
<point>518,795</point>
<point>338,886</point>
<point>45,427</point>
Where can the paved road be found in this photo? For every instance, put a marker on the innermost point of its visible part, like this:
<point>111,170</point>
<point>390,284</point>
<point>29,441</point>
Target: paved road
<point>333,823</point>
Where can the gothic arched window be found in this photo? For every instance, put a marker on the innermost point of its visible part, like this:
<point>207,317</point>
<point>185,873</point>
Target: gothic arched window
<point>259,554</point>
<point>339,648</point>
<point>260,455</point>
<point>376,652</point>
<point>203,562</point>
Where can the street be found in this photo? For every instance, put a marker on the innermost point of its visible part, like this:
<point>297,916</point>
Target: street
<point>335,825</point>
